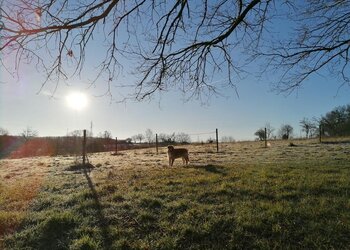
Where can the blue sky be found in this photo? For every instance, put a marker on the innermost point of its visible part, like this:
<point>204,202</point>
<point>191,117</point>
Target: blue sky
<point>238,116</point>
<point>234,116</point>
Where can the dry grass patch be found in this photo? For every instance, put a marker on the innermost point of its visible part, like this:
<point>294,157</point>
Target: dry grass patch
<point>20,182</point>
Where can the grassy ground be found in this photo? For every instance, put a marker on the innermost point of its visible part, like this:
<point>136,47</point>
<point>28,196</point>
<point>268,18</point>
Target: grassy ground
<point>245,196</point>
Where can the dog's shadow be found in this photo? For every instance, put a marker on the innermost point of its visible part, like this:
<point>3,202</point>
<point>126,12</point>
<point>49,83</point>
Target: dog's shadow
<point>80,167</point>
<point>210,168</point>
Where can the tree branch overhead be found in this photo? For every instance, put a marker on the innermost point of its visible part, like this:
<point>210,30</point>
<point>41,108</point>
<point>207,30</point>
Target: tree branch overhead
<point>186,45</point>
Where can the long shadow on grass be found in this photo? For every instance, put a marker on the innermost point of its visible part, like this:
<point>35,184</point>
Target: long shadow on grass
<point>103,223</point>
<point>211,168</point>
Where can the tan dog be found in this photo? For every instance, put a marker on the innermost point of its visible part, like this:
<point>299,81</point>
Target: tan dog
<point>174,153</point>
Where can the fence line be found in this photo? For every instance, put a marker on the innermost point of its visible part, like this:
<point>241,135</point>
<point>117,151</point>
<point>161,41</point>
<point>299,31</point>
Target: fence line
<point>79,144</point>
<point>204,133</point>
<point>216,132</point>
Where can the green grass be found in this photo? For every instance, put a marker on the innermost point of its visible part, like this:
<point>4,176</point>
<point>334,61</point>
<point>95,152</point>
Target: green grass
<point>298,202</point>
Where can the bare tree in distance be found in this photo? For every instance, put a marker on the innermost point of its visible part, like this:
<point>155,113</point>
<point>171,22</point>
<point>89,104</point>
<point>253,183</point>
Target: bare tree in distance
<point>285,131</point>
<point>308,127</point>
<point>107,134</point>
<point>191,45</point>
<point>167,138</point>
<point>75,133</point>
<point>269,130</point>
<point>139,137</point>
<point>3,131</point>
<point>182,138</point>
<point>260,133</point>
<point>28,133</point>
<point>149,136</point>
<point>134,138</point>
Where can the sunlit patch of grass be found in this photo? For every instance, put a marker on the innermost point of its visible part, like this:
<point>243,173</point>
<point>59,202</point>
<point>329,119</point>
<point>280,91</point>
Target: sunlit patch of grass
<point>9,220</point>
<point>17,195</point>
<point>15,198</point>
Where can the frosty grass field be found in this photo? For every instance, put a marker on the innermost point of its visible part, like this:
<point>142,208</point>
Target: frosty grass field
<point>245,196</point>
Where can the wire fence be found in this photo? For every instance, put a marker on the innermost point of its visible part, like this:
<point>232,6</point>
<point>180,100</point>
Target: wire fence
<point>82,143</point>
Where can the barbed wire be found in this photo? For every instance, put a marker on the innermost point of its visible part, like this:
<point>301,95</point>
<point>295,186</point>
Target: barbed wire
<point>203,133</point>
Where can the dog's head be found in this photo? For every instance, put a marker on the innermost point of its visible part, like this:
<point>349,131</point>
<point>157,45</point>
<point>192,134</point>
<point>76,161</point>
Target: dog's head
<point>170,148</point>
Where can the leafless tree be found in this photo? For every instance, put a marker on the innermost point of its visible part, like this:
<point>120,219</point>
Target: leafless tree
<point>3,131</point>
<point>29,133</point>
<point>308,127</point>
<point>167,138</point>
<point>269,130</point>
<point>182,138</point>
<point>194,46</point>
<point>285,131</point>
<point>107,134</point>
<point>318,44</point>
<point>138,137</point>
<point>149,136</point>
<point>75,133</point>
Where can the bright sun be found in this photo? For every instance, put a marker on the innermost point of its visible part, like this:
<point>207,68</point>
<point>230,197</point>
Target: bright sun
<point>77,100</point>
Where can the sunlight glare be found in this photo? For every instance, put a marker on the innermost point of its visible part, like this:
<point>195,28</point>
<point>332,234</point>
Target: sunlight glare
<point>77,100</point>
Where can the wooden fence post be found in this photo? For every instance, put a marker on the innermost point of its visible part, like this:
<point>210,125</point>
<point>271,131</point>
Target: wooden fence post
<point>265,136</point>
<point>84,147</point>
<point>320,133</point>
<point>116,145</point>
<point>217,141</point>
<point>157,143</point>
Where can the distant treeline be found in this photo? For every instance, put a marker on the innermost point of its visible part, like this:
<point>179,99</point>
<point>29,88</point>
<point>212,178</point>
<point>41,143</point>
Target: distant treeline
<point>335,123</point>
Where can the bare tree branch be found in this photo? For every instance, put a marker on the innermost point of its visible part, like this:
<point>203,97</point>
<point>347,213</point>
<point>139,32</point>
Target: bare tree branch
<point>320,44</point>
<point>177,44</point>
